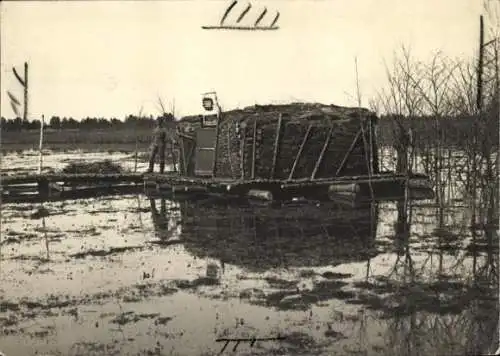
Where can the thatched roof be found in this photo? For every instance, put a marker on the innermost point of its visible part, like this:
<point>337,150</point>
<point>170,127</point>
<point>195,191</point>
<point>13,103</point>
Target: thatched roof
<point>299,111</point>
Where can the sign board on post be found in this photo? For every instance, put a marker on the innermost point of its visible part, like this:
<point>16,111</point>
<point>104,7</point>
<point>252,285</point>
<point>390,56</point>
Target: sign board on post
<point>212,109</point>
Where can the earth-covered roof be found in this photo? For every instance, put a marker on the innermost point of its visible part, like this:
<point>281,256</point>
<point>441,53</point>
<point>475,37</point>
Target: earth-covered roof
<point>303,111</point>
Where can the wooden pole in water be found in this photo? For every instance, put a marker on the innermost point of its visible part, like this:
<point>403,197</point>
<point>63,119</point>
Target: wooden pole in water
<point>1,194</point>
<point>25,114</point>
<point>137,141</point>
<point>40,148</point>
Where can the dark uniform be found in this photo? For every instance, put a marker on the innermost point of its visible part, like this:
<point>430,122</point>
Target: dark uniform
<point>158,145</point>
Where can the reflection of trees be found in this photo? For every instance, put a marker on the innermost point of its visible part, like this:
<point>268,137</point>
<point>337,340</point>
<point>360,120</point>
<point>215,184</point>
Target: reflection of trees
<point>438,297</point>
<point>432,308</point>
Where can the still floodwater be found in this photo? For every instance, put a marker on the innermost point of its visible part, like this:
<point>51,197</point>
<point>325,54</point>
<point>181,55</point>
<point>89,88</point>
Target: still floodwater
<point>136,276</point>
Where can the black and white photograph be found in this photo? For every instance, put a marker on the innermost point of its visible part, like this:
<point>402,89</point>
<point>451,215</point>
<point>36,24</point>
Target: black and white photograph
<point>249,177</point>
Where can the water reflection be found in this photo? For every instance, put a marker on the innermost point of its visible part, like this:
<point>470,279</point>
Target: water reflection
<point>442,299</point>
<point>455,309</point>
<point>258,238</point>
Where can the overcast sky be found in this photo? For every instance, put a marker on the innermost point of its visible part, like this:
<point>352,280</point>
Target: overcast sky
<point>110,58</point>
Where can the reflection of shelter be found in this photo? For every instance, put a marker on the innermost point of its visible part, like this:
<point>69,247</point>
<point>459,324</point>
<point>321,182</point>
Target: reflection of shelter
<point>258,237</point>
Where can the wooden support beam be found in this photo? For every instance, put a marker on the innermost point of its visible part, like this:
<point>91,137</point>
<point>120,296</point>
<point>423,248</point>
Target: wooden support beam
<point>43,187</point>
<point>242,150</point>
<point>376,163</point>
<point>299,154</point>
<point>254,142</point>
<point>183,154</point>
<point>322,154</point>
<point>370,128</point>
<point>277,140</point>
<point>216,149</point>
<point>353,144</point>
<point>191,153</point>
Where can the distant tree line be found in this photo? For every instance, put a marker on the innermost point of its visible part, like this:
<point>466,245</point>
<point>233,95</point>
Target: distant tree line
<point>88,123</point>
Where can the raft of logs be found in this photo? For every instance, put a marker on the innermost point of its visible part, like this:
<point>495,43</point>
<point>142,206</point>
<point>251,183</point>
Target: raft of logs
<point>35,187</point>
<point>346,190</point>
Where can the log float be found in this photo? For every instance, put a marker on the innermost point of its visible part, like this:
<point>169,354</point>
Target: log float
<point>346,194</point>
<point>419,183</point>
<point>344,188</point>
<point>260,194</point>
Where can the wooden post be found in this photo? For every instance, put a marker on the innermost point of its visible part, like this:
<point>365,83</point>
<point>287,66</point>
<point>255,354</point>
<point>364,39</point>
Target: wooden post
<point>376,168</point>
<point>370,128</point>
<point>242,149</point>
<point>25,113</point>
<point>254,147</point>
<point>1,190</point>
<point>479,98</point>
<point>24,83</point>
<point>40,147</point>
<point>299,154</point>
<point>136,143</point>
<point>276,145</point>
<point>183,153</point>
<point>43,187</point>
<point>173,155</point>
<point>322,154</point>
<point>217,131</point>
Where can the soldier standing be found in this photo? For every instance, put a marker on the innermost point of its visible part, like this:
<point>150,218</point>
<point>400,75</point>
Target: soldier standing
<point>158,145</point>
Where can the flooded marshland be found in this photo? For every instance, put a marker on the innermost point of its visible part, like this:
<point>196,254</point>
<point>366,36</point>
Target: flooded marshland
<point>137,275</point>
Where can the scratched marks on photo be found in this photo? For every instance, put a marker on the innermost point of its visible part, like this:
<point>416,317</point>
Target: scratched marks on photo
<point>261,22</point>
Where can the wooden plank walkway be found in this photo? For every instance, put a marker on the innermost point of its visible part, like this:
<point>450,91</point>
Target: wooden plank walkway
<point>77,178</point>
<point>176,178</point>
<point>289,183</point>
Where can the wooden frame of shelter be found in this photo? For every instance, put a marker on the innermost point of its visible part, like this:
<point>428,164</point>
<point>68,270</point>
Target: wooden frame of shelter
<point>280,151</point>
<point>273,152</point>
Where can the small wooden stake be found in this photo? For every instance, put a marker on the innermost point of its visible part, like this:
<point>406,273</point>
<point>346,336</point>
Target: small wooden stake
<point>40,148</point>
